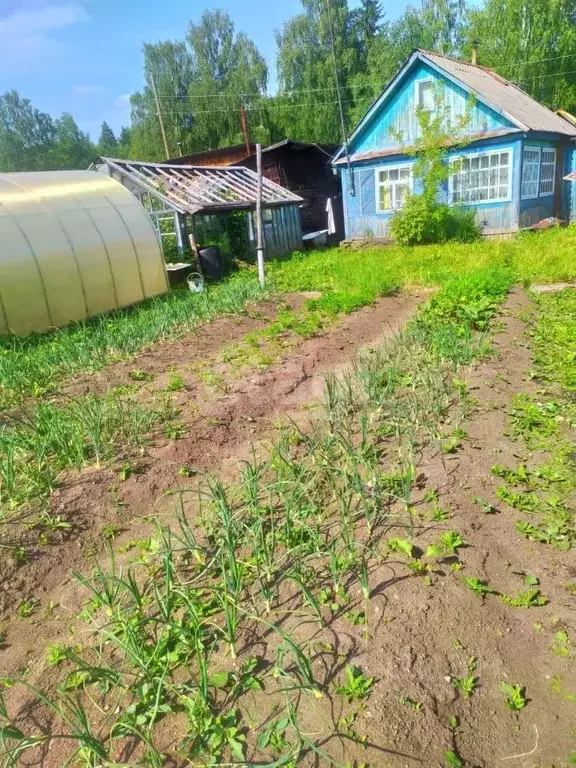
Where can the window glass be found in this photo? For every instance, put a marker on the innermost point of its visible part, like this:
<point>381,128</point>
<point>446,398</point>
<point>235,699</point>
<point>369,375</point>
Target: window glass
<point>481,178</point>
<point>426,95</point>
<point>393,187</point>
<point>530,172</point>
<point>547,171</point>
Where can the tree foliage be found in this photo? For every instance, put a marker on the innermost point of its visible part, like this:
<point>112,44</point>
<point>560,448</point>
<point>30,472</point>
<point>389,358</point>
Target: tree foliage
<point>205,79</point>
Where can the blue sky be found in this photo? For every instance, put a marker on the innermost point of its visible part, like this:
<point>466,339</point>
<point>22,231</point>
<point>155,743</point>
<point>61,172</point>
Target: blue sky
<point>84,56</point>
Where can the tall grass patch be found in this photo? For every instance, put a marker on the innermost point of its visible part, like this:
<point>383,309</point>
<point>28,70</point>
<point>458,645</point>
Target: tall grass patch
<point>371,271</point>
<point>38,445</point>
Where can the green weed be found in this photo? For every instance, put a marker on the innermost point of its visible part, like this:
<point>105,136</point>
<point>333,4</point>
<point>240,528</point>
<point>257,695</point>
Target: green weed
<point>357,686</point>
<point>514,696</point>
<point>478,586</point>
<point>530,598</point>
<point>466,685</point>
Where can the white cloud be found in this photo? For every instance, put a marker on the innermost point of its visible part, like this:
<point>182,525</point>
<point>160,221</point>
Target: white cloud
<point>83,89</point>
<point>27,29</point>
<point>122,102</point>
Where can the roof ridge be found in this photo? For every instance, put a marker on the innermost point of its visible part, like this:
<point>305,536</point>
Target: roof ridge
<point>459,61</point>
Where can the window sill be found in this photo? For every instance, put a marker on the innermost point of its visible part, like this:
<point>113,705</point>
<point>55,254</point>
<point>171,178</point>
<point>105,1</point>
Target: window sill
<point>483,202</point>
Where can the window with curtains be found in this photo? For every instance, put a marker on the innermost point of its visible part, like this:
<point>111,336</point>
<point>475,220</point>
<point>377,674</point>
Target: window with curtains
<point>393,185</point>
<point>547,171</point>
<point>485,177</point>
<point>530,172</point>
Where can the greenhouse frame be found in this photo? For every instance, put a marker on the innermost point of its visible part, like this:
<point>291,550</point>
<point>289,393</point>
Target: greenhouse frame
<point>188,196</point>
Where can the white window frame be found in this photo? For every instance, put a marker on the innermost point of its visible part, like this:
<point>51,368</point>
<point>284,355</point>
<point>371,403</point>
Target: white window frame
<point>509,151</point>
<point>378,183</point>
<point>417,84</point>
<point>539,151</point>
<point>547,194</point>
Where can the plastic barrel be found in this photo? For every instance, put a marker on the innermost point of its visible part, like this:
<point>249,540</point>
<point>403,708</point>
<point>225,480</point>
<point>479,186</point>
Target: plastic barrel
<point>211,261</point>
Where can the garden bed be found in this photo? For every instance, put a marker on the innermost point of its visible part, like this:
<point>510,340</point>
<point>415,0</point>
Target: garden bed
<point>385,579</point>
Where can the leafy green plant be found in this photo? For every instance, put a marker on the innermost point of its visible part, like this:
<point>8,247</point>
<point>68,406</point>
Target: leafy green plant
<point>138,375</point>
<point>487,508</point>
<point>530,598</point>
<point>175,383</point>
<point>452,759</point>
<point>478,586</point>
<point>411,703</point>
<point>357,686</point>
<point>27,607</point>
<point>402,546</point>
<point>514,696</point>
<point>466,685</point>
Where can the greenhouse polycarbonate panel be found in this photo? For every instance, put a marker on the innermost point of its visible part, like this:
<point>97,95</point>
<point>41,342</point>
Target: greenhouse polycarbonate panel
<point>93,261</point>
<point>19,279</point>
<point>74,243</point>
<point>151,270</point>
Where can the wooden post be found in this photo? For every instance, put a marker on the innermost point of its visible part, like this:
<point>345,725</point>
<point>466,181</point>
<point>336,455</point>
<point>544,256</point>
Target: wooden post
<point>259,229</point>
<point>244,123</point>
<point>159,113</point>
<point>195,250</point>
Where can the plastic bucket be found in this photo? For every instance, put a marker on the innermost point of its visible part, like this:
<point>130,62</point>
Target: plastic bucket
<point>195,282</point>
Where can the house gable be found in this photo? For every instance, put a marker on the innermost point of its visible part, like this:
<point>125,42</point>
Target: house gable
<point>392,122</point>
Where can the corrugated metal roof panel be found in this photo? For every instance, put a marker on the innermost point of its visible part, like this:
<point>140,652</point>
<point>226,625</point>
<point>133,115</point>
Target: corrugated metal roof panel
<point>513,101</point>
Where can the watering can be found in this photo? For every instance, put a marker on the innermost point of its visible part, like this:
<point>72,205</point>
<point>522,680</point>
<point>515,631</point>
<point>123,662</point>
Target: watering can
<point>195,282</point>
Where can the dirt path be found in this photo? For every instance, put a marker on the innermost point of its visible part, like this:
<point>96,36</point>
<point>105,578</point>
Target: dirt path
<point>429,633</point>
<point>221,430</point>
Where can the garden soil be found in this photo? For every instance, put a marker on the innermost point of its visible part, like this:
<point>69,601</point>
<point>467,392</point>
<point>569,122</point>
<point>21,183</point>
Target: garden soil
<point>420,637</point>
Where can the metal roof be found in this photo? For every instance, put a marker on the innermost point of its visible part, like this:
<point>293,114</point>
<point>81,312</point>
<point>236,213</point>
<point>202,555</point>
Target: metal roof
<point>194,189</point>
<point>520,108</point>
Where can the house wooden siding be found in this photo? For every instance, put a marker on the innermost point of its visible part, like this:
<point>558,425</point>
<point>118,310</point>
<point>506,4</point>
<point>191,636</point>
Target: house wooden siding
<point>363,220</point>
<point>390,127</point>
<point>399,117</point>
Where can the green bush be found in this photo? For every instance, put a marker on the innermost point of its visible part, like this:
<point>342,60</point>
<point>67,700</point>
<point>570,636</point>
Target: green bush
<point>422,221</point>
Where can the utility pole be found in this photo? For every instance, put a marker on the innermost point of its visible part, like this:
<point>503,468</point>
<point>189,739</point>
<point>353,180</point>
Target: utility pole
<point>259,232</point>
<point>244,123</point>
<point>159,113</point>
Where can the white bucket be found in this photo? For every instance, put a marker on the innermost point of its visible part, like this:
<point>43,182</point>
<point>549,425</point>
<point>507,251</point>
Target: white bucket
<point>195,282</point>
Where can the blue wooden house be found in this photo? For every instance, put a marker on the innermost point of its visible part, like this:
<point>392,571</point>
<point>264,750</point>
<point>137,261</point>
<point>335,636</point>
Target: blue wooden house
<point>511,171</point>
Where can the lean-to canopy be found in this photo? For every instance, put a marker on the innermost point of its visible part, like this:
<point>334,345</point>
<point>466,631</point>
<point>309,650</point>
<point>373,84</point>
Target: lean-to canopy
<point>190,189</point>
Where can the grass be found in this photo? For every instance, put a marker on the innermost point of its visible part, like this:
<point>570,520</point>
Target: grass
<point>178,635</point>
<point>33,365</point>
<point>544,423</point>
<point>48,439</point>
<point>369,272</point>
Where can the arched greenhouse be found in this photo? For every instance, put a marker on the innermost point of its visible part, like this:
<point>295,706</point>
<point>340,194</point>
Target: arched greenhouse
<point>72,244</point>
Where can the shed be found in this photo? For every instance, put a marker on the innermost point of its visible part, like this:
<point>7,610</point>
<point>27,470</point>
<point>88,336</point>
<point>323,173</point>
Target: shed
<point>187,197</point>
<point>74,244</point>
<point>305,169</point>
